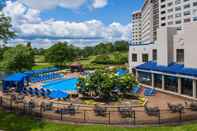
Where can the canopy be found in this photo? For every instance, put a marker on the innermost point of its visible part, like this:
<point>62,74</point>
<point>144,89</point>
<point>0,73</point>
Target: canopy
<point>58,94</point>
<point>16,77</point>
<point>171,69</point>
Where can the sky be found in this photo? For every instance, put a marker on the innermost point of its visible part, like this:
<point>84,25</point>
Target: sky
<point>80,22</point>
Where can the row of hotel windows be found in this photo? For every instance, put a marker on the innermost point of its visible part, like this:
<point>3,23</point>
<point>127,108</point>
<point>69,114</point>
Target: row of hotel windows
<point>186,20</point>
<point>176,2</point>
<point>179,7</point>
<point>145,56</point>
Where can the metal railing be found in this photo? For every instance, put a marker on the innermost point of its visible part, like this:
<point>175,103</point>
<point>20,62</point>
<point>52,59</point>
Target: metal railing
<point>135,116</point>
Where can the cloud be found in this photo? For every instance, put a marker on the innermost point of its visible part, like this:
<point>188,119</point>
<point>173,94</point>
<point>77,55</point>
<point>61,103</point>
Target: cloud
<point>99,3</point>
<point>50,4</point>
<point>30,27</point>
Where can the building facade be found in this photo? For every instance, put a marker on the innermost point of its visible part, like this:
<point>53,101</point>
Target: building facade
<point>174,13</point>
<point>168,63</point>
<point>136,29</point>
<point>147,22</point>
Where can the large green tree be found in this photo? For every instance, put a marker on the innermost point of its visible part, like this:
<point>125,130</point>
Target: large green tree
<point>5,28</point>
<point>103,83</point>
<point>18,58</point>
<point>60,53</point>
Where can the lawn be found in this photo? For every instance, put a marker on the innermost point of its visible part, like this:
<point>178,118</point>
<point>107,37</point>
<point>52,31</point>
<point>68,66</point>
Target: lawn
<point>12,122</point>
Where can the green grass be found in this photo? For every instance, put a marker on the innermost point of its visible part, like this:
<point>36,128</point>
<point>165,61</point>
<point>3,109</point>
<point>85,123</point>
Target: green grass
<point>12,122</point>
<point>40,66</point>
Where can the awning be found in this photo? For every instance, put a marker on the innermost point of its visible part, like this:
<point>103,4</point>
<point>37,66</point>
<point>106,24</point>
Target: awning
<point>16,77</point>
<point>171,69</point>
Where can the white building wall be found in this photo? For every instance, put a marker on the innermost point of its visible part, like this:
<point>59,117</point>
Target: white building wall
<point>165,45</point>
<point>190,40</point>
<point>177,12</point>
<point>139,50</point>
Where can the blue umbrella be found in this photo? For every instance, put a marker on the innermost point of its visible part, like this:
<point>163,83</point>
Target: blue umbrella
<point>58,94</point>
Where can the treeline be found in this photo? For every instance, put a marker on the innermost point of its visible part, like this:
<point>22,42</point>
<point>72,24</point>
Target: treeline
<point>22,57</point>
<point>61,53</point>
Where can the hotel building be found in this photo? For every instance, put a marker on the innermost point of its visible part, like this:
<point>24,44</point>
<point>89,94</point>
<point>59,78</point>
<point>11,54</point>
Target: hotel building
<point>136,29</point>
<point>168,63</point>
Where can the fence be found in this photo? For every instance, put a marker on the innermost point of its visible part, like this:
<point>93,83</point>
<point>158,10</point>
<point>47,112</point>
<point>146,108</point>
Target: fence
<point>136,116</point>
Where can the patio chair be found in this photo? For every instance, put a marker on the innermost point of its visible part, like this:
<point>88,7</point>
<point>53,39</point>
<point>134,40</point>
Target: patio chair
<point>152,111</point>
<point>193,106</point>
<point>125,112</point>
<point>174,108</point>
<point>100,111</point>
<point>47,106</point>
<point>20,98</point>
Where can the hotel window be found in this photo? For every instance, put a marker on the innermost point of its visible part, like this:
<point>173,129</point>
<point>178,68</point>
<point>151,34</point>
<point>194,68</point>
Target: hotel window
<point>178,15</point>
<point>170,17</point>
<point>178,8</point>
<point>186,13</point>
<point>170,23</point>
<point>163,24</point>
<point>134,57</point>
<point>163,18</point>
<point>177,2</point>
<point>195,4</point>
<point>178,22</point>
<point>187,20</point>
<point>163,1</point>
<point>163,6</point>
<point>186,6</point>
<point>195,12</point>
<point>195,19</point>
<point>186,0</point>
<point>179,28</point>
<point>180,56</point>
<point>170,10</point>
<point>170,4</point>
<point>163,12</point>
<point>154,54</point>
<point>144,57</point>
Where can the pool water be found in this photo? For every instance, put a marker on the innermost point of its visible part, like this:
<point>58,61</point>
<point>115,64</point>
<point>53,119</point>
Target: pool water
<point>63,84</point>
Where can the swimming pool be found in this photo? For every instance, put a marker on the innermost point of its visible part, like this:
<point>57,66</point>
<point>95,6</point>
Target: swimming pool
<point>63,84</point>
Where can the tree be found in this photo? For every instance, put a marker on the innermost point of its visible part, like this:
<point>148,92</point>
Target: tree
<point>121,46</point>
<point>5,28</point>
<point>18,58</point>
<point>103,84</point>
<point>60,53</point>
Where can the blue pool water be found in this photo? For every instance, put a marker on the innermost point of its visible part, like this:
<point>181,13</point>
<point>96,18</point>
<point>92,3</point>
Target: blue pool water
<point>63,84</point>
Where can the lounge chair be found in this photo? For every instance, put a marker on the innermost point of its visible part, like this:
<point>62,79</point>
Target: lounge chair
<point>125,112</point>
<point>100,111</point>
<point>174,108</point>
<point>152,111</point>
<point>193,106</point>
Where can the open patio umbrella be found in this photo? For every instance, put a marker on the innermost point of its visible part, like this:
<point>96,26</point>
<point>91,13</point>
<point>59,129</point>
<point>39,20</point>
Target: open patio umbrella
<point>58,94</point>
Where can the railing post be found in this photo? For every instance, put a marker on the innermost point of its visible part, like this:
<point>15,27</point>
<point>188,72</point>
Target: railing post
<point>109,118</point>
<point>61,113</point>
<point>134,118</point>
<point>1,100</point>
<point>10,104</point>
<point>84,116</point>
<point>180,116</point>
<point>159,118</point>
<point>41,111</point>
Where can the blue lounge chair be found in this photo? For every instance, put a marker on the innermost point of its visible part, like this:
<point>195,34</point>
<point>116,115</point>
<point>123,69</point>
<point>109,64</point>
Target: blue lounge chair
<point>135,89</point>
